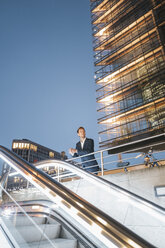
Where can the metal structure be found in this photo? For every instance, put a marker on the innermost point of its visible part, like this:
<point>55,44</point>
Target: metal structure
<point>129,38</point>
<point>106,229</point>
<point>109,161</point>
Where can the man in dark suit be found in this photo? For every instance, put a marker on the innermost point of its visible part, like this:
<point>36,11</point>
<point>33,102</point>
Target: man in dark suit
<point>84,147</point>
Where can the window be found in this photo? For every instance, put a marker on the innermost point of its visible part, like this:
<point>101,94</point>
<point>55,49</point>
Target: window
<point>51,154</point>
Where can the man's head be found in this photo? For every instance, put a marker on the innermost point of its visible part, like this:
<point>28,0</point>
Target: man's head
<point>81,132</point>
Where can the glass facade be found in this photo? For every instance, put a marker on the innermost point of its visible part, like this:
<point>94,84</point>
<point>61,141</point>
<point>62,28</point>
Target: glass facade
<point>31,152</point>
<point>129,54</point>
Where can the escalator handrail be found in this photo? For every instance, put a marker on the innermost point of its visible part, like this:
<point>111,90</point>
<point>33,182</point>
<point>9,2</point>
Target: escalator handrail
<point>83,173</point>
<point>114,228</point>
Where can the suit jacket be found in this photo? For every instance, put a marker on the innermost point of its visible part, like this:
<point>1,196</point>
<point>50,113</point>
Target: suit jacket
<point>88,148</point>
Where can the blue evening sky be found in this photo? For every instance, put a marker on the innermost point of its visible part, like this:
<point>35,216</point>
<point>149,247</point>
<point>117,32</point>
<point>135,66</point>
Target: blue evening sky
<point>47,87</point>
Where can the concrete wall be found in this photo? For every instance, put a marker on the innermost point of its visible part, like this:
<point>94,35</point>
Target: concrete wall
<point>141,182</point>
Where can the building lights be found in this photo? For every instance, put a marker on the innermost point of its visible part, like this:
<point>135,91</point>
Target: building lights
<point>20,145</point>
<point>15,145</point>
<point>139,110</point>
<point>51,154</point>
<point>107,98</point>
<point>33,147</point>
<point>128,51</point>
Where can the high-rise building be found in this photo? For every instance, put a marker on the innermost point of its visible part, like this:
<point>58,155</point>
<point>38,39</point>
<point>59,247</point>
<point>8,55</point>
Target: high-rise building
<point>129,47</point>
<point>32,152</point>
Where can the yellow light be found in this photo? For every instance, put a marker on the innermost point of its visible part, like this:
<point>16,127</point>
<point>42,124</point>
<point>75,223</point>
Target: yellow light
<point>102,221</point>
<point>35,207</point>
<point>51,154</point>
<point>15,145</point>
<point>141,59</point>
<point>101,31</point>
<point>106,99</point>
<point>110,120</point>
<point>143,107</point>
<point>80,204</point>
<point>33,147</point>
<point>26,145</point>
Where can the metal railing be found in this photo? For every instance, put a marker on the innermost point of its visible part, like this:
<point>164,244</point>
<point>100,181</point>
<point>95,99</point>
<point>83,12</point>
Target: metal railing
<point>125,160</point>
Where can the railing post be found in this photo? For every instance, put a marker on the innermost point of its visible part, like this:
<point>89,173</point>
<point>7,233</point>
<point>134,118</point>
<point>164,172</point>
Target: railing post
<point>102,163</point>
<point>58,173</point>
<point>27,185</point>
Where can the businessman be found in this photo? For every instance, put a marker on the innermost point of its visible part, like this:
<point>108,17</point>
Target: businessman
<point>84,147</point>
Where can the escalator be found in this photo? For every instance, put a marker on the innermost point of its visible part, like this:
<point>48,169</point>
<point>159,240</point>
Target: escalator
<point>73,209</point>
<point>36,224</point>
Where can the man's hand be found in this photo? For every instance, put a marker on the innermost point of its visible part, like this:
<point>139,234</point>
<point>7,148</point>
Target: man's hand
<point>72,151</point>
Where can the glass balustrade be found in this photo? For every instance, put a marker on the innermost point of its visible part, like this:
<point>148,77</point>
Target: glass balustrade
<point>67,199</point>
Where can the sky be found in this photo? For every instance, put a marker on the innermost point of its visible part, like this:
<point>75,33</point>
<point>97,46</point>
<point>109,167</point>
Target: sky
<point>47,87</point>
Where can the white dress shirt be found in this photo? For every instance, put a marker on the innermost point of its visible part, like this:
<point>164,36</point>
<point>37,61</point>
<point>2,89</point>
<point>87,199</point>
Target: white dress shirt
<point>82,143</point>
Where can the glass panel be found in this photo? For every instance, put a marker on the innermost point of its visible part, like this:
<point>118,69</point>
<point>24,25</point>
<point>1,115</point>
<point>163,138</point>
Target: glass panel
<point>22,229</point>
<point>26,230</point>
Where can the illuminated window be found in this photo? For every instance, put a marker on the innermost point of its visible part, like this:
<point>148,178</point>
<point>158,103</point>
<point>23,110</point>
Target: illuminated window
<point>33,147</point>
<point>16,179</point>
<point>26,146</point>
<point>15,145</point>
<point>51,154</point>
<point>129,69</point>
